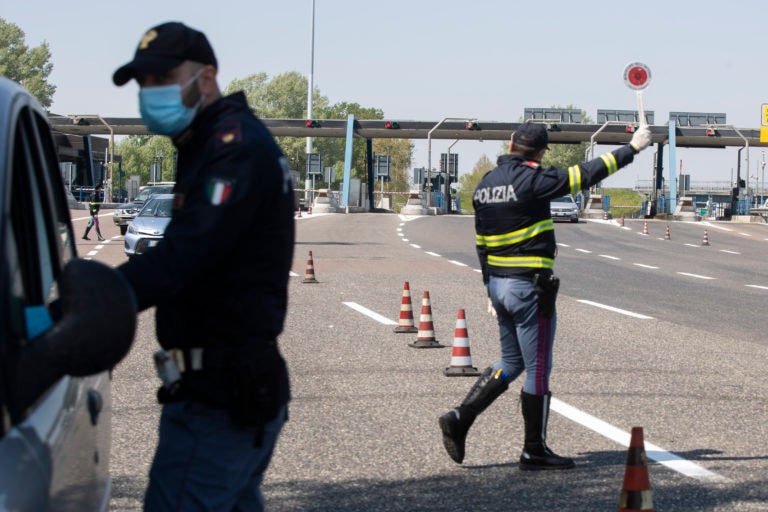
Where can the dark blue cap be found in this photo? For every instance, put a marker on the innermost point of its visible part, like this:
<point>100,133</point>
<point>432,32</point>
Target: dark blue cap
<point>163,48</point>
<point>532,135</point>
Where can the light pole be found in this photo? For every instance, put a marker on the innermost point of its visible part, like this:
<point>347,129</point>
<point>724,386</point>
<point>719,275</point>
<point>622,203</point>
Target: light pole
<point>309,92</point>
<point>429,152</point>
<point>762,189</point>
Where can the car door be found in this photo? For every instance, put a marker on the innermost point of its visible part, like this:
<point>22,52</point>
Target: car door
<point>54,453</point>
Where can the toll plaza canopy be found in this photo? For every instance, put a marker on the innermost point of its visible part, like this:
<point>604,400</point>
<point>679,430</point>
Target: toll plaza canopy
<point>613,132</point>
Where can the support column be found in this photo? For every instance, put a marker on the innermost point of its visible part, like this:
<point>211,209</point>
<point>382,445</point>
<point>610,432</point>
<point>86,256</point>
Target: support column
<point>672,166</point>
<point>348,159</point>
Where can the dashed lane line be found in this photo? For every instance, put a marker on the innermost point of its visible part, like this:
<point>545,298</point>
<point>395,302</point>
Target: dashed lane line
<point>757,286</point>
<point>615,310</point>
<point>697,276</point>
<point>643,265</point>
<point>371,314</point>
<point>609,257</point>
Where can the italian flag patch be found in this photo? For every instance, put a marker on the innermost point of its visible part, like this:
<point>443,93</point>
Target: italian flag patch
<point>219,191</point>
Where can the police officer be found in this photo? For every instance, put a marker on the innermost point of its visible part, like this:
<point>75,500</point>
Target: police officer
<point>93,209</point>
<point>219,279</point>
<point>515,243</point>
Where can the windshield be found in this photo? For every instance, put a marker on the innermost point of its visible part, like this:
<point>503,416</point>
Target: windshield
<point>157,207</point>
<point>564,199</point>
<point>144,194</point>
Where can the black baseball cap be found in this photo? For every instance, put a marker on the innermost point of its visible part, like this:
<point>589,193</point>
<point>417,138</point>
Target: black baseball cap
<point>532,135</point>
<point>163,48</point>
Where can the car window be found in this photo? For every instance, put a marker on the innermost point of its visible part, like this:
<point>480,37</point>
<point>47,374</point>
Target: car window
<point>563,199</point>
<point>157,207</point>
<point>31,240</point>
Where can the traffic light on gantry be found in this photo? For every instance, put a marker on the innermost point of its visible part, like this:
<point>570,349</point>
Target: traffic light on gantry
<point>391,125</point>
<point>312,123</point>
<point>473,125</point>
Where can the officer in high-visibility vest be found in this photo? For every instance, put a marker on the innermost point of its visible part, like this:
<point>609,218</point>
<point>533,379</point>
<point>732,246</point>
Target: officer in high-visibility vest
<point>93,208</point>
<point>515,243</point>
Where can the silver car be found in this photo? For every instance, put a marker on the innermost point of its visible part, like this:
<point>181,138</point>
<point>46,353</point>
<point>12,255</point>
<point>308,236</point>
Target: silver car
<point>125,213</point>
<point>564,208</point>
<point>148,228</point>
<point>64,321</point>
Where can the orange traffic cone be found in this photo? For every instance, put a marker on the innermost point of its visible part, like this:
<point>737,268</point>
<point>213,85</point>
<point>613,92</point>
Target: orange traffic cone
<point>426,337</point>
<point>406,312</point>
<point>461,359</point>
<point>309,209</point>
<point>621,222</point>
<point>636,492</point>
<point>605,214</point>
<point>645,228</point>
<point>298,211</point>
<point>309,274</point>
<point>666,234</point>
<point>705,241</point>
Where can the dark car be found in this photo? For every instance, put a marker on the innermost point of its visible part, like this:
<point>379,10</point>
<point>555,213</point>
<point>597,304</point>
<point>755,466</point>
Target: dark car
<point>125,213</point>
<point>64,322</point>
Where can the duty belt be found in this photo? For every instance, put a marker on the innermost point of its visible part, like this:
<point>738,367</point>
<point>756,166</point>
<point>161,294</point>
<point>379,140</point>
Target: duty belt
<point>198,358</point>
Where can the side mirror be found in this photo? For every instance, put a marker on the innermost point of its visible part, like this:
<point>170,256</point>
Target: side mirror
<point>93,332</point>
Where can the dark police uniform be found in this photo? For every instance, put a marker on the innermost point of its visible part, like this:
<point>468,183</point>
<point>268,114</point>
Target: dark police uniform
<point>219,279</point>
<point>515,242</point>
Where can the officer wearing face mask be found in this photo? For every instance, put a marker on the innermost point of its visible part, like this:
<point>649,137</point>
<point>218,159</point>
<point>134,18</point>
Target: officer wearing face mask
<point>219,280</point>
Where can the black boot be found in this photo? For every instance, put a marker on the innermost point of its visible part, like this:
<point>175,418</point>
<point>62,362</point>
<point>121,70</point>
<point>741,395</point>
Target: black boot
<point>536,455</point>
<point>456,422</point>
<point>98,234</point>
<point>85,235</point>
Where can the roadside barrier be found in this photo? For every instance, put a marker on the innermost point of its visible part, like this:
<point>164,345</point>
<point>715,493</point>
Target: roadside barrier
<point>426,336</point>
<point>405,324</point>
<point>636,491</point>
<point>705,240</point>
<point>309,274</point>
<point>461,359</point>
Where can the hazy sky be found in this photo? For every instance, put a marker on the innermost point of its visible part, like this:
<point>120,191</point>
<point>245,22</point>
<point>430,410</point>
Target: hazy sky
<point>425,60</point>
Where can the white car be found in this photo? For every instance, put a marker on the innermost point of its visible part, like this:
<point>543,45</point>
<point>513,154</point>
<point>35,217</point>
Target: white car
<point>564,208</point>
<point>148,228</point>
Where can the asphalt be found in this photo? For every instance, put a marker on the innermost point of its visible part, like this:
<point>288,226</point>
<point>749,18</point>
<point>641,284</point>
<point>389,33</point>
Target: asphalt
<point>363,436</point>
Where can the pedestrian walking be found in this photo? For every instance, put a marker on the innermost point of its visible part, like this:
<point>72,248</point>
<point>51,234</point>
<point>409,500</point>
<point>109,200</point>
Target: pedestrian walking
<point>515,242</point>
<point>93,209</point>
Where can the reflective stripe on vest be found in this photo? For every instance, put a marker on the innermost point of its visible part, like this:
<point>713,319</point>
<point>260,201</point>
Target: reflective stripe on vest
<point>574,178</point>
<point>610,163</point>
<point>515,237</point>
<point>521,261</point>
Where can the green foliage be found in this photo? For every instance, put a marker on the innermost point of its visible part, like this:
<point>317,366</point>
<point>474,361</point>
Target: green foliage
<point>468,182</point>
<point>285,97</point>
<point>624,201</point>
<point>30,67</point>
<point>139,152</point>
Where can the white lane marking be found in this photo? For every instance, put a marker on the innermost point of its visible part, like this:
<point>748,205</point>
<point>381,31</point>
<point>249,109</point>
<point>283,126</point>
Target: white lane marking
<point>457,263</point>
<point>100,246</point>
<point>697,276</point>
<point>400,234</point>
<point>615,310</point>
<point>653,452</point>
<point>609,257</point>
<point>691,245</point>
<point>745,234</point>
<point>563,245</point>
<point>757,286</point>
<point>372,314</point>
<point>716,226</point>
<point>399,229</point>
<point>416,246</point>
<point>477,270</point>
<point>406,240</point>
<point>646,266</point>
<point>584,251</point>
<point>293,274</point>
<point>432,253</point>
<point>401,224</point>
<point>729,252</point>
<point>93,253</point>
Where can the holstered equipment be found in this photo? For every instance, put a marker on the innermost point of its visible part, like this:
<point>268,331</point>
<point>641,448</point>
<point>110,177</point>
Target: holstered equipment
<point>546,286</point>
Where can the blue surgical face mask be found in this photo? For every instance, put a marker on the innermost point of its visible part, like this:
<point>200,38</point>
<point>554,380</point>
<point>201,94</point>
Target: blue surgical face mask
<point>163,110</point>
